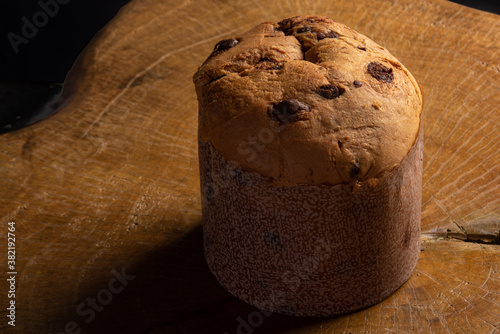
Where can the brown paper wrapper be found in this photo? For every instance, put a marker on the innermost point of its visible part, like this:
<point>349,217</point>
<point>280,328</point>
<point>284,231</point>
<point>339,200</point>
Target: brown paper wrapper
<point>310,250</point>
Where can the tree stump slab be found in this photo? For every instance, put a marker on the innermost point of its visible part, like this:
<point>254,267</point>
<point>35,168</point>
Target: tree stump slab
<point>105,193</point>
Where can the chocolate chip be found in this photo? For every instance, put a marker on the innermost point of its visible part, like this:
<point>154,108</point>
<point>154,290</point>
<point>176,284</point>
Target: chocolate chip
<point>355,170</point>
<point>217,77</point>
<point>288,111</point>
<point>304,29</point>
<point>239,177</point>
<point>330,91</point>
<point>261,284</point>
<point>345,265</point>
<point>286,310</point>
<point>319,19</point>
<point>209,192</point>
<point>340,144</point>
<point>223,45</point>
<point>272,239</point>
<point>361,48</point>
<point>357,83</point>
<point>328,34</point>
<point>269,64</point>
<point>286,26</point>
<point>407,238</point>
<point>380,72</point>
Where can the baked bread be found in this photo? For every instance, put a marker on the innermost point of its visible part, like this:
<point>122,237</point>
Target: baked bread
<point>310,147</point>
<point>308,100</point>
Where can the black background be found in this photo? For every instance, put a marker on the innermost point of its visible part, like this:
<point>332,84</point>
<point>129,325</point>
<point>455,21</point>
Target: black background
<point>49,55</point>
<point>31,79</point>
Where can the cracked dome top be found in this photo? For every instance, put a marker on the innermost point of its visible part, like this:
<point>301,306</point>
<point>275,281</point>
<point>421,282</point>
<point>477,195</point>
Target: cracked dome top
<point>307,100</point>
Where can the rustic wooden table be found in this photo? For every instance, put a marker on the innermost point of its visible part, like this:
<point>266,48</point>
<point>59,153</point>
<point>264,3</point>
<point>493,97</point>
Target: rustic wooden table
<point>105,194</point>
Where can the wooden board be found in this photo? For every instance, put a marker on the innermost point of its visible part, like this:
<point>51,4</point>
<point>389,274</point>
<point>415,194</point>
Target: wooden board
<point>108,186</point>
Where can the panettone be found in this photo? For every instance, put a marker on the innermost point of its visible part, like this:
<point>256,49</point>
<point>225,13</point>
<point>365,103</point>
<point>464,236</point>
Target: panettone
<point>310,146</point>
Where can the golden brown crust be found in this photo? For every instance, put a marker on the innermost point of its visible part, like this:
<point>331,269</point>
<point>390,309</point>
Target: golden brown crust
<point>308,100</point>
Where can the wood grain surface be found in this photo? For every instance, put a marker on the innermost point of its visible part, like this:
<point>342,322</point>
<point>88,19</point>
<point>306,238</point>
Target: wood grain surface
<point>105,193</point>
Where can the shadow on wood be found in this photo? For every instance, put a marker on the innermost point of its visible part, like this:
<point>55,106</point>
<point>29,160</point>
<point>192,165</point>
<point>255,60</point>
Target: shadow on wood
<point>172,291</point>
